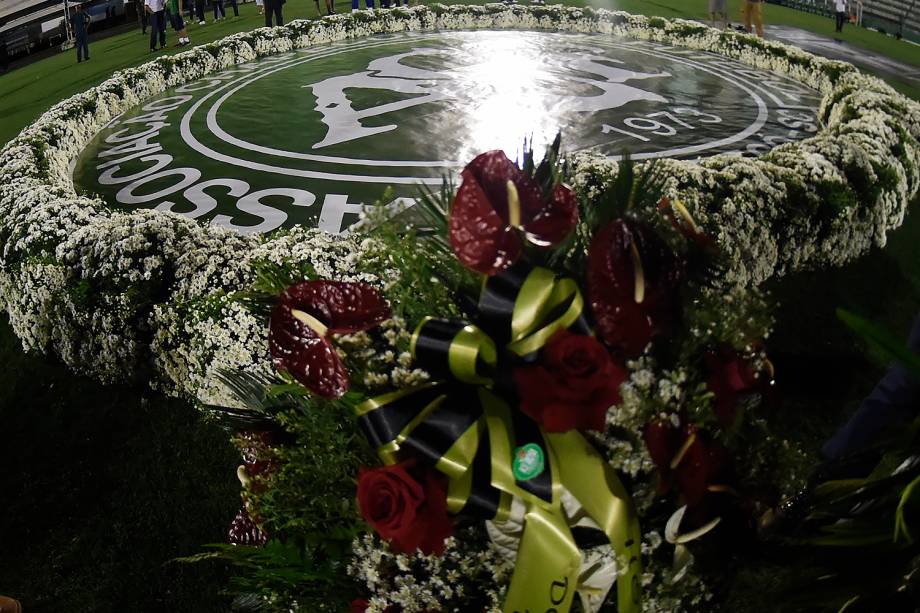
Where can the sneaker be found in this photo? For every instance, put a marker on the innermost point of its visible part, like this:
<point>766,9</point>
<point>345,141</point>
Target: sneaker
<point>202,22</point>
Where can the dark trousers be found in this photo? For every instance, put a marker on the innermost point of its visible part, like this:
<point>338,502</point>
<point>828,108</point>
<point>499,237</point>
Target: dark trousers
<point>273,7</point>
<point>199,10</point>
<point>236,9</point>
<point>157,29</point>
<point>841,19</point>
<point>82,47</point>
<point>143,21</point>
<point>219,9</point>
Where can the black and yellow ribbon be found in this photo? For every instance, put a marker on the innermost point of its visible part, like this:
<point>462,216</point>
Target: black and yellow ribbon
<point>468,427</point>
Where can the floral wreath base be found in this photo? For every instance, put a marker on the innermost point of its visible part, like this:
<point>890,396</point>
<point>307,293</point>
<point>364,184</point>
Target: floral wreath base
<point>117,295</point>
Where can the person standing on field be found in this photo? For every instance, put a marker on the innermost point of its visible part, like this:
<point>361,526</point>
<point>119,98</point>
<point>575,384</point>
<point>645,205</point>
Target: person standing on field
<point>142,14</point>
<point>178,24</point>
<point>273,8</point>
<point>80,23</point>
<point>841,7</point>
<point>753,14</point>
<point>718,11</point>
<point>157,11</point>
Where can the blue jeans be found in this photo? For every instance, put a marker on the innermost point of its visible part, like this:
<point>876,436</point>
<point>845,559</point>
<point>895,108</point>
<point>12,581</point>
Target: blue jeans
<point>369,3</point>
<point>219,9</point>
<point>82,47</point>
<point>157,29</point>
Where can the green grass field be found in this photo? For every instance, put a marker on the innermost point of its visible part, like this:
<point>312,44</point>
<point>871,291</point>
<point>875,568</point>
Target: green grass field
<point>103,486</point>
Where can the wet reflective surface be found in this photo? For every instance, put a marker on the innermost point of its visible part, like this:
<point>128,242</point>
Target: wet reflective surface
<point>307,136</point>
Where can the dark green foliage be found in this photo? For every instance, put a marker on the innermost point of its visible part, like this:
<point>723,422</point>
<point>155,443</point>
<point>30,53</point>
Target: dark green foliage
<point>272,578</point>
<point>101,488</point>
<point>306,503</point>
<point>430,275</point>
<point>630,190</point>
<point>881,340</point>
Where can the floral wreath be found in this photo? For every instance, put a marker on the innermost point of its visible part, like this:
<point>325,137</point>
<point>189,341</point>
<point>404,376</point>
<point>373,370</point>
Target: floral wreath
<point>159,298</point>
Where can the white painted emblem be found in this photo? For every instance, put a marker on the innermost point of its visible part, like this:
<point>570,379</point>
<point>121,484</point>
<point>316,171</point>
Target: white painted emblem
<point>578,82</point>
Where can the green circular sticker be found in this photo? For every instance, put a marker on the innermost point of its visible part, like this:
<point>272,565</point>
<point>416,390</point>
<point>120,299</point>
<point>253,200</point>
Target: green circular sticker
<point>528,462</point>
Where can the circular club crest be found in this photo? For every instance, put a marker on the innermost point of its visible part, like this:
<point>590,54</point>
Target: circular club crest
<point>309,137</point>
<point>528,462</point>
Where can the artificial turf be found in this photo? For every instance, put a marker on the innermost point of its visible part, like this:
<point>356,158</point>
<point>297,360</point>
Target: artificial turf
<point>103,486</point>
<point>25,93</point>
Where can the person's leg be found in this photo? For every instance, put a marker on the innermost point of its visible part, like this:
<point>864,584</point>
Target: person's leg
<point>79,46</point>
<point>746,14</point>
<point>154,31</point>
<point>86,47</point>
<point>268,12</point>
<point>199,10</point>
<point>369,3</point>
<point>162,29</point>
<point>758,18</point>
<point>279,18</point>
<point>236,8</point>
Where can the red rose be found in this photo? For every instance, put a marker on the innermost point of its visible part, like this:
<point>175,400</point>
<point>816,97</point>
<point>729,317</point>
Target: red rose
<point>406,504</point>
<point>495,204</point>
<point>573,385</point>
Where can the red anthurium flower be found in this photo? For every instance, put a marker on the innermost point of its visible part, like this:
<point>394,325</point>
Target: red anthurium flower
<point>730,378</point>
<point>633,279</point>
<point>245,531</point>
<point>495,200</point>
<point>701,465</point>
<point>663,440</point>
<point>304,317</point>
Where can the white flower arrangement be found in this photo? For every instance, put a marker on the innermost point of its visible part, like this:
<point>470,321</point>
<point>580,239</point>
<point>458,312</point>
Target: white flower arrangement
<point>143,294</point>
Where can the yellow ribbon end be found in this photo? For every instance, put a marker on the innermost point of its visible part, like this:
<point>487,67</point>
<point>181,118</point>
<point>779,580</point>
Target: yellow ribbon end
<point>685,215</point>
<point>638,274</point>
<point>683,451</point>
<point>312,322</point>
<point>514,205</point>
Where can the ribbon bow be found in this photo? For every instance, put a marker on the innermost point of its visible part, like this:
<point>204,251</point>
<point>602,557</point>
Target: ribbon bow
<point>467,426</point>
